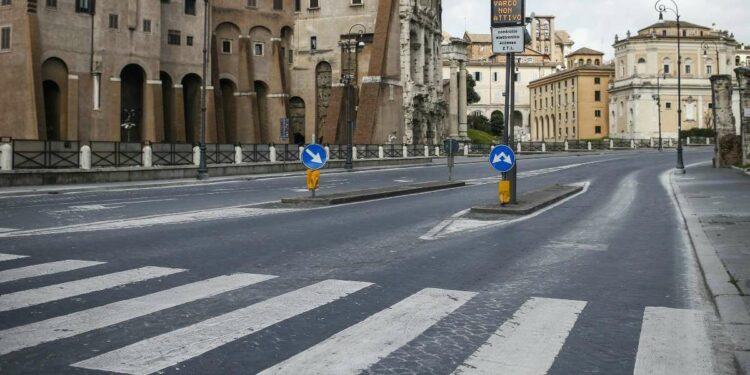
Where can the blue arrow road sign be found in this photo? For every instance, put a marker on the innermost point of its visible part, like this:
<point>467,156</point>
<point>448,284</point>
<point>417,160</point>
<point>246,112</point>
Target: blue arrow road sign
<point>314,156</point>
<point>502,158</point>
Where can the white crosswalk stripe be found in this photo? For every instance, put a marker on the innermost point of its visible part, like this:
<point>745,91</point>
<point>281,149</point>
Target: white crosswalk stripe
<point>159,352</point>
<point>44,269</point>
<point>56,292</point>
<point>4,257</point>
<point>529,342</point>
<point>99,317</point>
<point>673,342</point>
<point>362,345</point>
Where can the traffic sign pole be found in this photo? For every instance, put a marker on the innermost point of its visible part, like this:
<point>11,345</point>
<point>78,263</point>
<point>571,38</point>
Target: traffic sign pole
<point>511,65</point>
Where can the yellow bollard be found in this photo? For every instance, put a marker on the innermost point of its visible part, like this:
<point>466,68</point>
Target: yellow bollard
<point>503,190</point>
<point>313,180</point>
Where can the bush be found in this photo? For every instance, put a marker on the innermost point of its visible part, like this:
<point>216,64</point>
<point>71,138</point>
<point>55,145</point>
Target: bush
<point>497,123</point>
<point>480,137</point>
<point>479,122</point>
<point>696,132</point>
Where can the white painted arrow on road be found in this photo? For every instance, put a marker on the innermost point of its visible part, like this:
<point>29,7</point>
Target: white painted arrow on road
<point>315,157</point>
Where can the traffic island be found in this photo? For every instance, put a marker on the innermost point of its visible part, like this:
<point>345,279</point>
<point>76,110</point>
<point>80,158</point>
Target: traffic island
<point>530,202</point>
<point>370,194</point>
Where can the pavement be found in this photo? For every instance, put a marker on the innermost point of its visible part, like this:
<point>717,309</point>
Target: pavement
<point>716,206</point>
<point>207,278</point>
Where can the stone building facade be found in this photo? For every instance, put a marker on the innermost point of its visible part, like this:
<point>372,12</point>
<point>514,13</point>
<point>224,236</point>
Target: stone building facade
<point>571,104</point>
<point>82,68</point>
<point>652,53</point>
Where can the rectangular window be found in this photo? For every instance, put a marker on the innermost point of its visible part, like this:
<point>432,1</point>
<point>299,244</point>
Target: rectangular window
<point>314,4</point>
<point>709,69</point>
<point>297,5</point>
<point>189,40</point>
<point>668,105</point>
<point>598,113</point>
<point>113,21</point>
<point>173,37</point>
<point>357,2</point>
<point>278,5</point>
<point>190,7</point>
<point>226,46</point>
<point>252,3</point>
<point>258,49</point>
<point>597,80</point>
<point>597,96</point>
<point>688,69</point>
<point>146,26</point>
<point>5,38</point>
<point>494,76</point>
<point>477,76</point>
<point>51,3</point>
<point>666,68</point>
<point>290,59</point>
<point>4,3</point>
<point>313,43</point>
<point>84,6</point>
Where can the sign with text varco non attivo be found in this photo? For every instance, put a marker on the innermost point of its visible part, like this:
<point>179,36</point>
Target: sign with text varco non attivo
<point>507,13</point>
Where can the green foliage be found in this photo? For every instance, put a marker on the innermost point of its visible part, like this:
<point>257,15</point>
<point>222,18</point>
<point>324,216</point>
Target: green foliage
<point>497,123</point>
<point>471,94</point>
<point>480,137</point>
<point>696,132</point>
<point>479,122</point>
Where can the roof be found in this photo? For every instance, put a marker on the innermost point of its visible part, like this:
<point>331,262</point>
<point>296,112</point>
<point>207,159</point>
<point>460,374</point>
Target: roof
<point>478,38</point>
<point>673,24</point>
<point>585,51</point>
<point>608,68</point>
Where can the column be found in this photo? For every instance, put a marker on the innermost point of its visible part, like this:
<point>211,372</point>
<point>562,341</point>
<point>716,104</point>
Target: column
<point>462,115</point>
<point>743,76</point>
<point>453,105</point>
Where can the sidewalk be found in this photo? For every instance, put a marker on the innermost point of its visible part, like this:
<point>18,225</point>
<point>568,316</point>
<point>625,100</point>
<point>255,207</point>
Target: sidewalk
<point>716,206</point>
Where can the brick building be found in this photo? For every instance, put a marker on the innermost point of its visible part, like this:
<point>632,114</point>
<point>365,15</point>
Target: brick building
<point>80,69</point>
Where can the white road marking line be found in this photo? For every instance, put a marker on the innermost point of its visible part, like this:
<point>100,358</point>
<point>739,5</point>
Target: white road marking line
<point>529,342</point>
<point>56,292</point>
<point>4,257</point>
<point>171,348</point>
<point>44,269</point>
<point>673,341</point>
<point>458,224</point>
<point>148,221</point>
<point>3,230</point>
<point>356,348</point>
<point>103,316</point>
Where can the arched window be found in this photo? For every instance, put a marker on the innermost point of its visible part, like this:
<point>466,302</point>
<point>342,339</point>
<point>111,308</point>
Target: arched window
<point>580,62</point>
<point>622,68</point>
<point>597,62</point>
<point>588,61</point>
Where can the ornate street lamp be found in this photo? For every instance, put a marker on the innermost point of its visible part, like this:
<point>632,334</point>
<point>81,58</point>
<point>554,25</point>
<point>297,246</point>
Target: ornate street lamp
<point>349,80</point>
<point>202,165</point>
<point>661,7</point>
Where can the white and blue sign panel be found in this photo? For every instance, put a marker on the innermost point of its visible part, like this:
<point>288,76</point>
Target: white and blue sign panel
<point>314,156</point>
<point>502,158</point>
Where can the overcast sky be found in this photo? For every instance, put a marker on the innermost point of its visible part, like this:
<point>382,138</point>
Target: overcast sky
<point>594,23</point>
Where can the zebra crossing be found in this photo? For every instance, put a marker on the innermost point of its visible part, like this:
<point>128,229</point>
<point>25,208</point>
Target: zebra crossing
<point>671,341</point>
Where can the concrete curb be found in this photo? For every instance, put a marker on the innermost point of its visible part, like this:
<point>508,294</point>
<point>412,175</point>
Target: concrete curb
<point>372,194</point>
<point>726,297</point>
<point>745,171</point>
<point>531,202</point>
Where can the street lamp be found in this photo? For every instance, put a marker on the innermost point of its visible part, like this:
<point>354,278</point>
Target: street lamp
<point>202,166</point>
<point>661,7</point>
<point>348,79</point>
<point>657,97</point>
<point>706,46</point>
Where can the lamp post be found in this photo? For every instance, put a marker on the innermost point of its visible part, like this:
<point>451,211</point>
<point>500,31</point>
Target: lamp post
<point>661,7</point>
<point>657,97</point>
<point>202,166</point>
<point>348,79</point>
<point>705,46</point>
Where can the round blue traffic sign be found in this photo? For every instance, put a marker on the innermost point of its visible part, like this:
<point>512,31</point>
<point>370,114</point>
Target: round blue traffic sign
<point>314,156</point>
<point>502,158</point>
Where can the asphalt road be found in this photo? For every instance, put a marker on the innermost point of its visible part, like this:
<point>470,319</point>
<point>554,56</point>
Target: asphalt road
<point>116,280</point>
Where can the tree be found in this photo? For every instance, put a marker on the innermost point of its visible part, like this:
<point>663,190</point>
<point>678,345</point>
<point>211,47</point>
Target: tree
<point>497,123</point>
<point>471,94</point>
